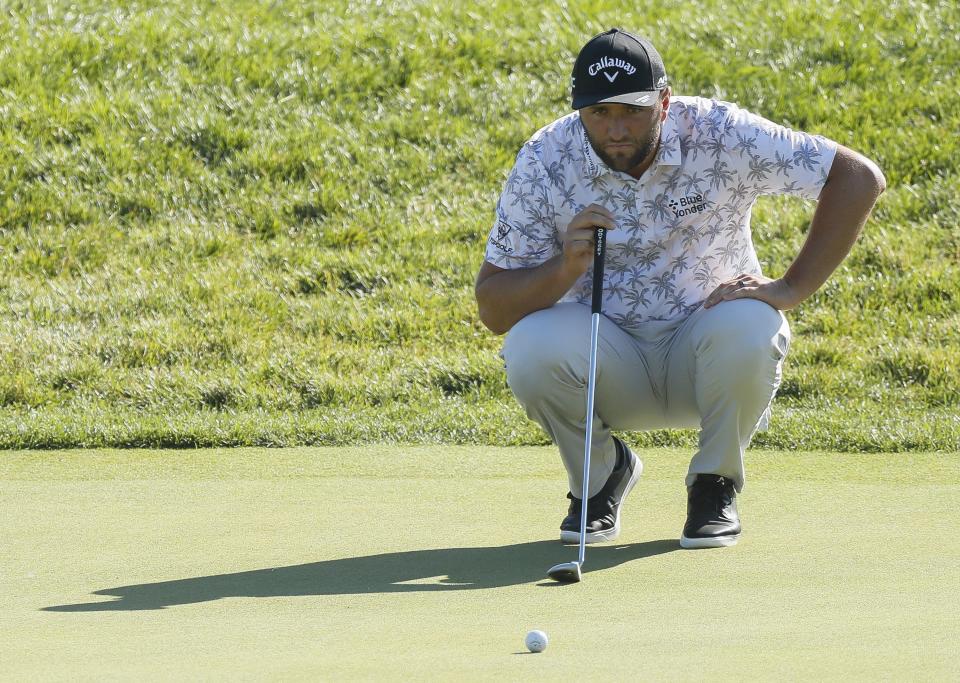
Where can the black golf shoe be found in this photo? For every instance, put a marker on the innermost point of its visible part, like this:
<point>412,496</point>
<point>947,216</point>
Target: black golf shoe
<point>603,509</point>
<point>712,519</point>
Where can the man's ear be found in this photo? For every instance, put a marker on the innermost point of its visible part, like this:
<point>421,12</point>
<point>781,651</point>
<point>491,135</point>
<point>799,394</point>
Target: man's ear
<point>665,102</point>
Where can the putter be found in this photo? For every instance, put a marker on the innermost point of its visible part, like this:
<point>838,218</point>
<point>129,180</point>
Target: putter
<point>571,572</point>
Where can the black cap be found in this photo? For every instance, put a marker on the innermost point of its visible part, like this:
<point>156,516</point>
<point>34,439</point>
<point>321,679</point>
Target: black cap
<point>619,67</point>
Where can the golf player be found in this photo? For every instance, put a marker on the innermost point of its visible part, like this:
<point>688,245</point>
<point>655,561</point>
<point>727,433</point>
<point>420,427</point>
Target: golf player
<point>692,332</point>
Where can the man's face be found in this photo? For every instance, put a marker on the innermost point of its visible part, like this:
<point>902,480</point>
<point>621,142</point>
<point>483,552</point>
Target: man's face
<point>624,136</point>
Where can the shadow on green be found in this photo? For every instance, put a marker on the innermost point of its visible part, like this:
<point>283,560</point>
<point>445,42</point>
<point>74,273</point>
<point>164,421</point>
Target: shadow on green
<point>418,570</point>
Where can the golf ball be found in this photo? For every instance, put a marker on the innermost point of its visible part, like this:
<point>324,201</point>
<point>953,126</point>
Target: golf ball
<point>536,641</point>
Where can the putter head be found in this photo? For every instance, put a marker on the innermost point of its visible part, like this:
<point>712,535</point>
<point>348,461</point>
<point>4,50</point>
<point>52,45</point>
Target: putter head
<point>565,572</point>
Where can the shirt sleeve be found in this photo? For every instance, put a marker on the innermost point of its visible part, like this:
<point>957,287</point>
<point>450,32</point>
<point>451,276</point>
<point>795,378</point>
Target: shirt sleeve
<point>524,233</point>
<point>777,159</point>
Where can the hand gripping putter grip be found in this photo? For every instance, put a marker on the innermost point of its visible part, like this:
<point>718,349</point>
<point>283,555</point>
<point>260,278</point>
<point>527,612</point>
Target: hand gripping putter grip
<point>571,572</point>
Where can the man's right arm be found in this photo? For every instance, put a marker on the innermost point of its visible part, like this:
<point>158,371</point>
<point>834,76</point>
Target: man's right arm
<point>505,296</point>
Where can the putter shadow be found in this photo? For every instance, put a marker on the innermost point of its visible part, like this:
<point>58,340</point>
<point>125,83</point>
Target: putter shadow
<point>402,572</point>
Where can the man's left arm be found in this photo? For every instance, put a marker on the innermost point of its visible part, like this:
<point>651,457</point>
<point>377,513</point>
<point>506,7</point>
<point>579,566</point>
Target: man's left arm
<point>853,185</point>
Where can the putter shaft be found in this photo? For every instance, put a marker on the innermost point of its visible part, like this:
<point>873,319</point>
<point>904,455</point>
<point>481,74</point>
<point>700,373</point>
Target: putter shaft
<point>571,571</point>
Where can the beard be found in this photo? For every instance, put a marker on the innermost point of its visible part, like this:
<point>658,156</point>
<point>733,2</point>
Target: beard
<point>625,159</point>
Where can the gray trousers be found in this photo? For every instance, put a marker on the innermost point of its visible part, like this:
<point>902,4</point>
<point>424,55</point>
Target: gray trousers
<point>718,369</point>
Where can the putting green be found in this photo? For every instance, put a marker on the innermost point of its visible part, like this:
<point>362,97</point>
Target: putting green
<point>428,563</point>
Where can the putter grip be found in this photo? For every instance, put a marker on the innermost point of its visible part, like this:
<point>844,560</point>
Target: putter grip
<point>598,256</point>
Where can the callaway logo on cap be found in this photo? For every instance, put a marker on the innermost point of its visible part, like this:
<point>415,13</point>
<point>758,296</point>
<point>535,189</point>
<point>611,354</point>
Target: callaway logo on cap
<point>619,67</point>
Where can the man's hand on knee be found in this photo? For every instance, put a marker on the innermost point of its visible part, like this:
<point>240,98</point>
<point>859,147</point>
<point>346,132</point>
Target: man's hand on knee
<point>776,293</point>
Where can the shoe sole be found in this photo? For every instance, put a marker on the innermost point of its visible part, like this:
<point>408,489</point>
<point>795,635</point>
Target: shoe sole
<point>709,542</point>
<point>573,537</point>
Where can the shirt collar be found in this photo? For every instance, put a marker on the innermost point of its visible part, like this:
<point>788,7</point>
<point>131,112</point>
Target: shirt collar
<point>668,154</point>
<point>593,167</point>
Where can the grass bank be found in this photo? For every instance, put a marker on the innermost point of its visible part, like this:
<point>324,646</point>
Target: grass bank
<point>256,223</point>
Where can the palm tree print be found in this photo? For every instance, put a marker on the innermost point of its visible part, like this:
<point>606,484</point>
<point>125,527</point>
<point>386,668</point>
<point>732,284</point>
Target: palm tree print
<point>628,320</point>
<point>633,276</point>
<point>672,182</point>
<point>649,255</point>
<point>568,195</point>
<point>732,230</point>
<point>729,252</point>
<point>745,264</point>
<point>695,146</point>
<point>677,300</point>
<point>716,148</point>
<point>658,208</point>
<point>627,198</point>
<point>689,235</point>
<point>739,193</point>
<point>691,183</point>
<point>608,197</point>
<point>713,232</point>
<point>759,168</point>
<point>714,213</point>
<point>720,175</point>
<point>806,156</point>
<point>565,151</point>
<point>663,285</point>
<point>789,188</point>
<point>783,164</point>
<point>637,298</point>
<point>614,289</point>
<point>678,264</point>
<point>597,184</point>
<point>746,145</point>
<point>705,274</point>
<point>634,227</point>
<point>555,173</point>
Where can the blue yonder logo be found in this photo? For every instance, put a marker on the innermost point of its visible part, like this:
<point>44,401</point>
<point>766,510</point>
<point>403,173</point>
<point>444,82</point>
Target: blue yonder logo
<point>686,206</point>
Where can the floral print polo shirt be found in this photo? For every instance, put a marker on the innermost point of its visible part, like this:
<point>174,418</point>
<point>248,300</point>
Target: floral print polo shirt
<point>682,228</point>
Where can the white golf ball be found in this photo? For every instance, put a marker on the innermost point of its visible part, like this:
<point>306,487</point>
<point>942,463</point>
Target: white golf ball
<point>536,641</point>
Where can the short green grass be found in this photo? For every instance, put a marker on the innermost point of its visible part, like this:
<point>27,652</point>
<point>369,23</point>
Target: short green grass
<point>428,563</point>
<point>259,223</point>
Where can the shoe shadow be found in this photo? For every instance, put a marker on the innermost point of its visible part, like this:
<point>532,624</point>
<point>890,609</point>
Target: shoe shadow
<point>417,570</point>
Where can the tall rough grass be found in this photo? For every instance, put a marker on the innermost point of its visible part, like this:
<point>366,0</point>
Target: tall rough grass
<point>259,223</point>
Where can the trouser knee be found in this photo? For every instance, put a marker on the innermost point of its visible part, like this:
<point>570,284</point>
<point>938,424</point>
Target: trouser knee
<point>743,336</point>
<point>540,353</point>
